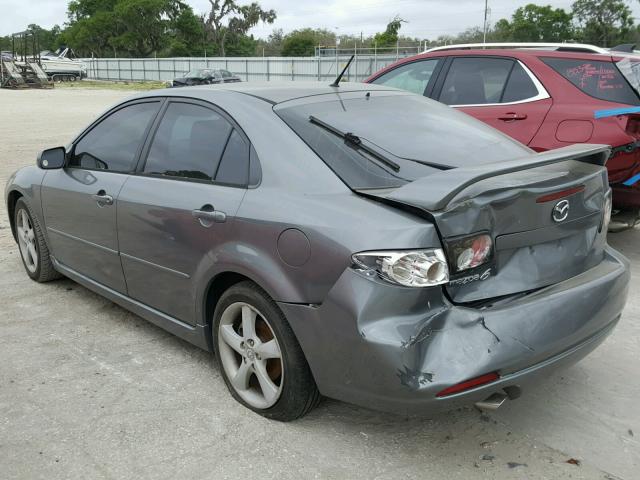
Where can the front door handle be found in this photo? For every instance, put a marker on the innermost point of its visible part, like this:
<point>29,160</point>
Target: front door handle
<point>102,198</point>
<point>512,116</point>
<point>207,215</point>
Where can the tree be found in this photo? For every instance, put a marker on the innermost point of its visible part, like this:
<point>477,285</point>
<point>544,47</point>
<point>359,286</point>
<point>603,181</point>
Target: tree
<point>389,37</point>
<point>92,34</point>
<point>186,33</point>
<point>272,46</point>
<point>143,24</point>
<point>300,43</point>
<point>535,23</point>
<point>47,39</point>
<point>603,22</point>
<point>471,35</point>
<point>136,28</point>
<point>83,9</point>
<point>228,19</point>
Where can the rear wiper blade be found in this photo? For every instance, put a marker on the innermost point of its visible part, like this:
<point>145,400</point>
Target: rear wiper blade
<point>438,166</point>
<point>356,143</point>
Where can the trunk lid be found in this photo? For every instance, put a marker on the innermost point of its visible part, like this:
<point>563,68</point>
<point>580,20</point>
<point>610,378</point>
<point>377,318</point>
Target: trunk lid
<point>544,215</point>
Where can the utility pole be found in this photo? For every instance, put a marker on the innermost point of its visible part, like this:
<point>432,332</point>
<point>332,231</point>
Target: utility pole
<point>486,9</point>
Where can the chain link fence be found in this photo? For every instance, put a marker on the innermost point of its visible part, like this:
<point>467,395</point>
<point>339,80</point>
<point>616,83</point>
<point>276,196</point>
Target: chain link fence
<point>318,68</point>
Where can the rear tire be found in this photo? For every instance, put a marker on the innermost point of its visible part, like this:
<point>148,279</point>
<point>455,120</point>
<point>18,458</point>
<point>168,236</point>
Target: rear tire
<point>261,361</point>
<point>34,250</point>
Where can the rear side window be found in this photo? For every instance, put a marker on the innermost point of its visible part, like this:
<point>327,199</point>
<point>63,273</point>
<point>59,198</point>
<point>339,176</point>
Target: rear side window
<point>234,166</point>
<point>413,77</point>
<point>475,80</point>
<point>113,144</point>
<point>196,143</point>
<point>519,86</point>
<point>597,79</point>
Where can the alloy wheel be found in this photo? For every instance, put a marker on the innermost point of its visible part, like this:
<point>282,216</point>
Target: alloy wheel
<point>250,355</point>
<point>27,241</point>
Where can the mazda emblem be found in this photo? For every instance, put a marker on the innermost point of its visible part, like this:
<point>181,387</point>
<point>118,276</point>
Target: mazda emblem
<point>560,211</point>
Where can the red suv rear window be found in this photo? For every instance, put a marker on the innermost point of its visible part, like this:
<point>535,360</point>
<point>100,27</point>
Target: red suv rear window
<point>598,79</point>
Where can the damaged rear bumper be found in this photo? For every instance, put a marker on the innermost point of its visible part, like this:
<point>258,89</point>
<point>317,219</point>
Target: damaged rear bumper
<point>393,348</point>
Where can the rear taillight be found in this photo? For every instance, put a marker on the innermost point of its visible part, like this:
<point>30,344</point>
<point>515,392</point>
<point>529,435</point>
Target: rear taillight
<point>469,252</point>
<point>409,268</point>
<point>633,126</point>
<point>469,384</point>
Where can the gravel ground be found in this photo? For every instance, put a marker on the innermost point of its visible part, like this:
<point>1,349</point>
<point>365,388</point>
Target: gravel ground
<point>88,390</point>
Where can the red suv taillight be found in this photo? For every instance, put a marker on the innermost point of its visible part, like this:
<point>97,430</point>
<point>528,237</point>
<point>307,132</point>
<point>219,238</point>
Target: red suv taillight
<point>633,126</point>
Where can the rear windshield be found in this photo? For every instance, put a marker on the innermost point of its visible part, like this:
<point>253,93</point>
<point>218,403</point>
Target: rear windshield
<point>419,135</point>
<point>598,79</point>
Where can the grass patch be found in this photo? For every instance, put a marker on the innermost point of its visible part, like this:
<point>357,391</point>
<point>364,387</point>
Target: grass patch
<point>105,85</point>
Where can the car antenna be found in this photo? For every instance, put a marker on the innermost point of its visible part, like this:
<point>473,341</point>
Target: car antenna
<point>336,82</point>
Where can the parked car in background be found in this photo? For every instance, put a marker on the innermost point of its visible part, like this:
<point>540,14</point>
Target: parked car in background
<point>204,76</point>
<point>545,96</point>
<point>356,241</point>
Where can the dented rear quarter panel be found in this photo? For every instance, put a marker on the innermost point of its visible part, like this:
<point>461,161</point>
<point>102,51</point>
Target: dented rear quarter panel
<point>394,348</point>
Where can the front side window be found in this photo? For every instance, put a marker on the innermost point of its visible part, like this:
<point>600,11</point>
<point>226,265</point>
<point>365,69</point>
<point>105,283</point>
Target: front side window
<point>113,144</point>
<point>597,79</point>
<point>475,80</point>
<point>413,77</point>
<point>196,143</point>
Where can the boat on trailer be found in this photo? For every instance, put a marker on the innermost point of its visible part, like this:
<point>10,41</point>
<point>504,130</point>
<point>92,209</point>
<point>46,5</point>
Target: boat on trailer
<point>62,65</point>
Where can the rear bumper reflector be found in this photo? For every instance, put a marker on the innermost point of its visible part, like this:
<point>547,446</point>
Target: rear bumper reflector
<point>469,384</point>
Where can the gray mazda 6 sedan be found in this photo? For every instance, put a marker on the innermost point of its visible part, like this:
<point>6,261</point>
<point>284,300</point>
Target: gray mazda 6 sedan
<point>357,242</point>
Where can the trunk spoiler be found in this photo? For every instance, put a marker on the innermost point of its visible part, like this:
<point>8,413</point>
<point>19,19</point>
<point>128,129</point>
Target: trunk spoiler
<point>435,191</point>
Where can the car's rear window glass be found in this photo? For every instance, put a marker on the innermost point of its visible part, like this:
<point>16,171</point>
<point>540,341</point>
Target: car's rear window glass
<point>598,79</point>
<point>475,80</point>
<point>405,128</point>
<point>113,144</point>
<point>519,86</point>
<point>413,77</point>
<point>189,142</point>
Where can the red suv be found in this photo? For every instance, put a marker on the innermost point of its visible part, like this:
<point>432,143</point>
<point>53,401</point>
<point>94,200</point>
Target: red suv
<point>543,98</point>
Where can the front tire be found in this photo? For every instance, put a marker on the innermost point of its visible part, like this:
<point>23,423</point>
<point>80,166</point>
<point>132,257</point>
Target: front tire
<point>33,246</point>
<point>261,361</point>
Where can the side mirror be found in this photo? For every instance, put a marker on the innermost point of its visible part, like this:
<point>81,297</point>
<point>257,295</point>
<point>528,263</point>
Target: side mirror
<point>52,158</point>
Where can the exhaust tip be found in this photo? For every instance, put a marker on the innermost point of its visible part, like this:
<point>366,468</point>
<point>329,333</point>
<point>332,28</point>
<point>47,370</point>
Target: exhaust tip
<point>492,402</point>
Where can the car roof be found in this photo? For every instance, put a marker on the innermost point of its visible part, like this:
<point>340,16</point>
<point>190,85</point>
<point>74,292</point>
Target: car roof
<point>272,92</point>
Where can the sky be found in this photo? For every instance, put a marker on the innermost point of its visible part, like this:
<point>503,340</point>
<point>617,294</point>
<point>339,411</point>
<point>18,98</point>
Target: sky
<point>427,18</point>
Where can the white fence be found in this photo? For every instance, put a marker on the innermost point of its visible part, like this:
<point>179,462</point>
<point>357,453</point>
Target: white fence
<point>247,68</point>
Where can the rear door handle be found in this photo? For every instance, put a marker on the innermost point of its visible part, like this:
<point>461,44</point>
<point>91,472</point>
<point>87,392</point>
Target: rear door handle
<point>512,116</point>
<point>207,215</point>
<point>102,198</point>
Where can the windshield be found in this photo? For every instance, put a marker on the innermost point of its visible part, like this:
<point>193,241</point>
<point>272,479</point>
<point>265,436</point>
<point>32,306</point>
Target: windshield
<point>393,129</point>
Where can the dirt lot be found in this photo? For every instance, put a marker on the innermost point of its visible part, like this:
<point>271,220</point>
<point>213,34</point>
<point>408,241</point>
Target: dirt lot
<point>88,390</point>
